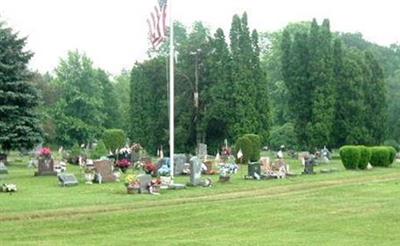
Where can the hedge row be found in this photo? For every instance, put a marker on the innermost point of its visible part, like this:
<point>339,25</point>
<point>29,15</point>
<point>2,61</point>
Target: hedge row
<point>358,157</point>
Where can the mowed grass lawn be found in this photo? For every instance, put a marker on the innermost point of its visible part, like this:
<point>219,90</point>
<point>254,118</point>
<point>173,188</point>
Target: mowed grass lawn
<point>340,208</point>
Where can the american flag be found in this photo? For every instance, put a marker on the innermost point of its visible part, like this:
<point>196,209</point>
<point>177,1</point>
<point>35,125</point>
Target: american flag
<point>158,24</point>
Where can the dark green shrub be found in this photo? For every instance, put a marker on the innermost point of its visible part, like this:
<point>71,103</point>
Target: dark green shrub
<point>392,154</point>
<point>114,139</point>
<point>250,144</point>
<point>365,155</point>
<point>380,156</point>
<point>255,146</point>
<point>244,144</point>
<point>99,151</point>
<point>350,156</point>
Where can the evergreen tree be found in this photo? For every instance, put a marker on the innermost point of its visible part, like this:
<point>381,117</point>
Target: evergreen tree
<point>262,99</point>
<point>393,92</point>
<point>350,105</point>
<point>246,80</point>
<point>375,100</point>
<point>321,80</point>
<point>192,87</point>
<point>295,56</point>
<point>340,130</point>
<point>19,125</point>
<point>218,100</point>
<point>148,106</point>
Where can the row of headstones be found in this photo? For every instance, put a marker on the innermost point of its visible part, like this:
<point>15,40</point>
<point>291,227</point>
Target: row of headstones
<point>46,167</point>
<point>104,168</point>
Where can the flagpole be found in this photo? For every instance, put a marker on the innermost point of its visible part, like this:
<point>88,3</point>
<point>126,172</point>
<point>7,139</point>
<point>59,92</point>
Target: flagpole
<point>171,90</point>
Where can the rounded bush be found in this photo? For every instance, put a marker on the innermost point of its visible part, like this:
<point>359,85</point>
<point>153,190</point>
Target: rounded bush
<point>365,156</point>
<point>245,145</point>
<point>392,154</point>
<point>255,146</point>
<point>350,156</point>
<point>114,139</point>
<point>380,156</point>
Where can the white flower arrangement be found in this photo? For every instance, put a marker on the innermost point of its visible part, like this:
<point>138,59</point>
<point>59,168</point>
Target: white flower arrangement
<point>9,188</point>
<point>227,170</point>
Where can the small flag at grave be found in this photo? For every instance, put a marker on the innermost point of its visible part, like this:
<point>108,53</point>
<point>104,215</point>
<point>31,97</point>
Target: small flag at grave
<point>240,154</point>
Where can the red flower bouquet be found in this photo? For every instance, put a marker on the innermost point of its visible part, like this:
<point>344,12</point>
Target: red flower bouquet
<point>150,168</point>
<point>45,152</point>
<point>123,164</point>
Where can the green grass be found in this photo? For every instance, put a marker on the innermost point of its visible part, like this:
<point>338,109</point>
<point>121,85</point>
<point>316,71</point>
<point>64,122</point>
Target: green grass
<point>340,208</point>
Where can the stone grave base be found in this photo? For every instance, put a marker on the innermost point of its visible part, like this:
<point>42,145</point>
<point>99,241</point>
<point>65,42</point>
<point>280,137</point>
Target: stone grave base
<point>67,179</point>
<point>176,187</point>
<point>224,179</point>
<point>331,170</point>
<point>45,173</point>
<point>131,190</point>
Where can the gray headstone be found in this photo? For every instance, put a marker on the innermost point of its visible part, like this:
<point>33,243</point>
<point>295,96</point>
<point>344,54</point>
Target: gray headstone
<point>3,168</point>
<point>309,166</point>
<point>179,163</point>
<point>195,174</point>
<point>45,167</point>
<point>144,181</point>
<point>104,169</point>
<point>3,158</point>
<point>67,179</point>
<point>135,156</point>
<point>202,150</point>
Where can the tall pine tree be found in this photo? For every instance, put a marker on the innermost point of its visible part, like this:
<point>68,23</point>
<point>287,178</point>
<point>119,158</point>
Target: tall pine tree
<point>321,79</point>
<point>248,81</point>
<point>219,96</point>
<point>19,125</point>
<point>375,100</point>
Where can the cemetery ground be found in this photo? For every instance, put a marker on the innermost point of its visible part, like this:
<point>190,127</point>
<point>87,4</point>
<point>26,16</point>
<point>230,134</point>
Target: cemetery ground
<point>343,207</point>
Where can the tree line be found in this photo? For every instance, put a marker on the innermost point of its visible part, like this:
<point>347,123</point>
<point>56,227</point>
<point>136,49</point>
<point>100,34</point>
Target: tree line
<point>303,86</point>
<point>221,90</point>
<point>335,95</point>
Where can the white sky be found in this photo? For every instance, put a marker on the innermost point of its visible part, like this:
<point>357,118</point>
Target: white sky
<point>113,33</point>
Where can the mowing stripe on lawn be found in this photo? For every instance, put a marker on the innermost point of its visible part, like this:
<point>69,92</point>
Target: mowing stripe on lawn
<point>276,191</point>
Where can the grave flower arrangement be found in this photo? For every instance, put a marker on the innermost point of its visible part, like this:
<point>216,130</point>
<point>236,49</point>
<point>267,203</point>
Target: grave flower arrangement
<point>45,152</point>
<point>9,188</point>
<point>89,173</point>
<point>150,168</point>
<point>123,164</point>
<point>138,165</point>
<point>124,153</point>
<point>132,184</point>
<point>154,187</point>
<point>227,170</point>
<point>130,180</point>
